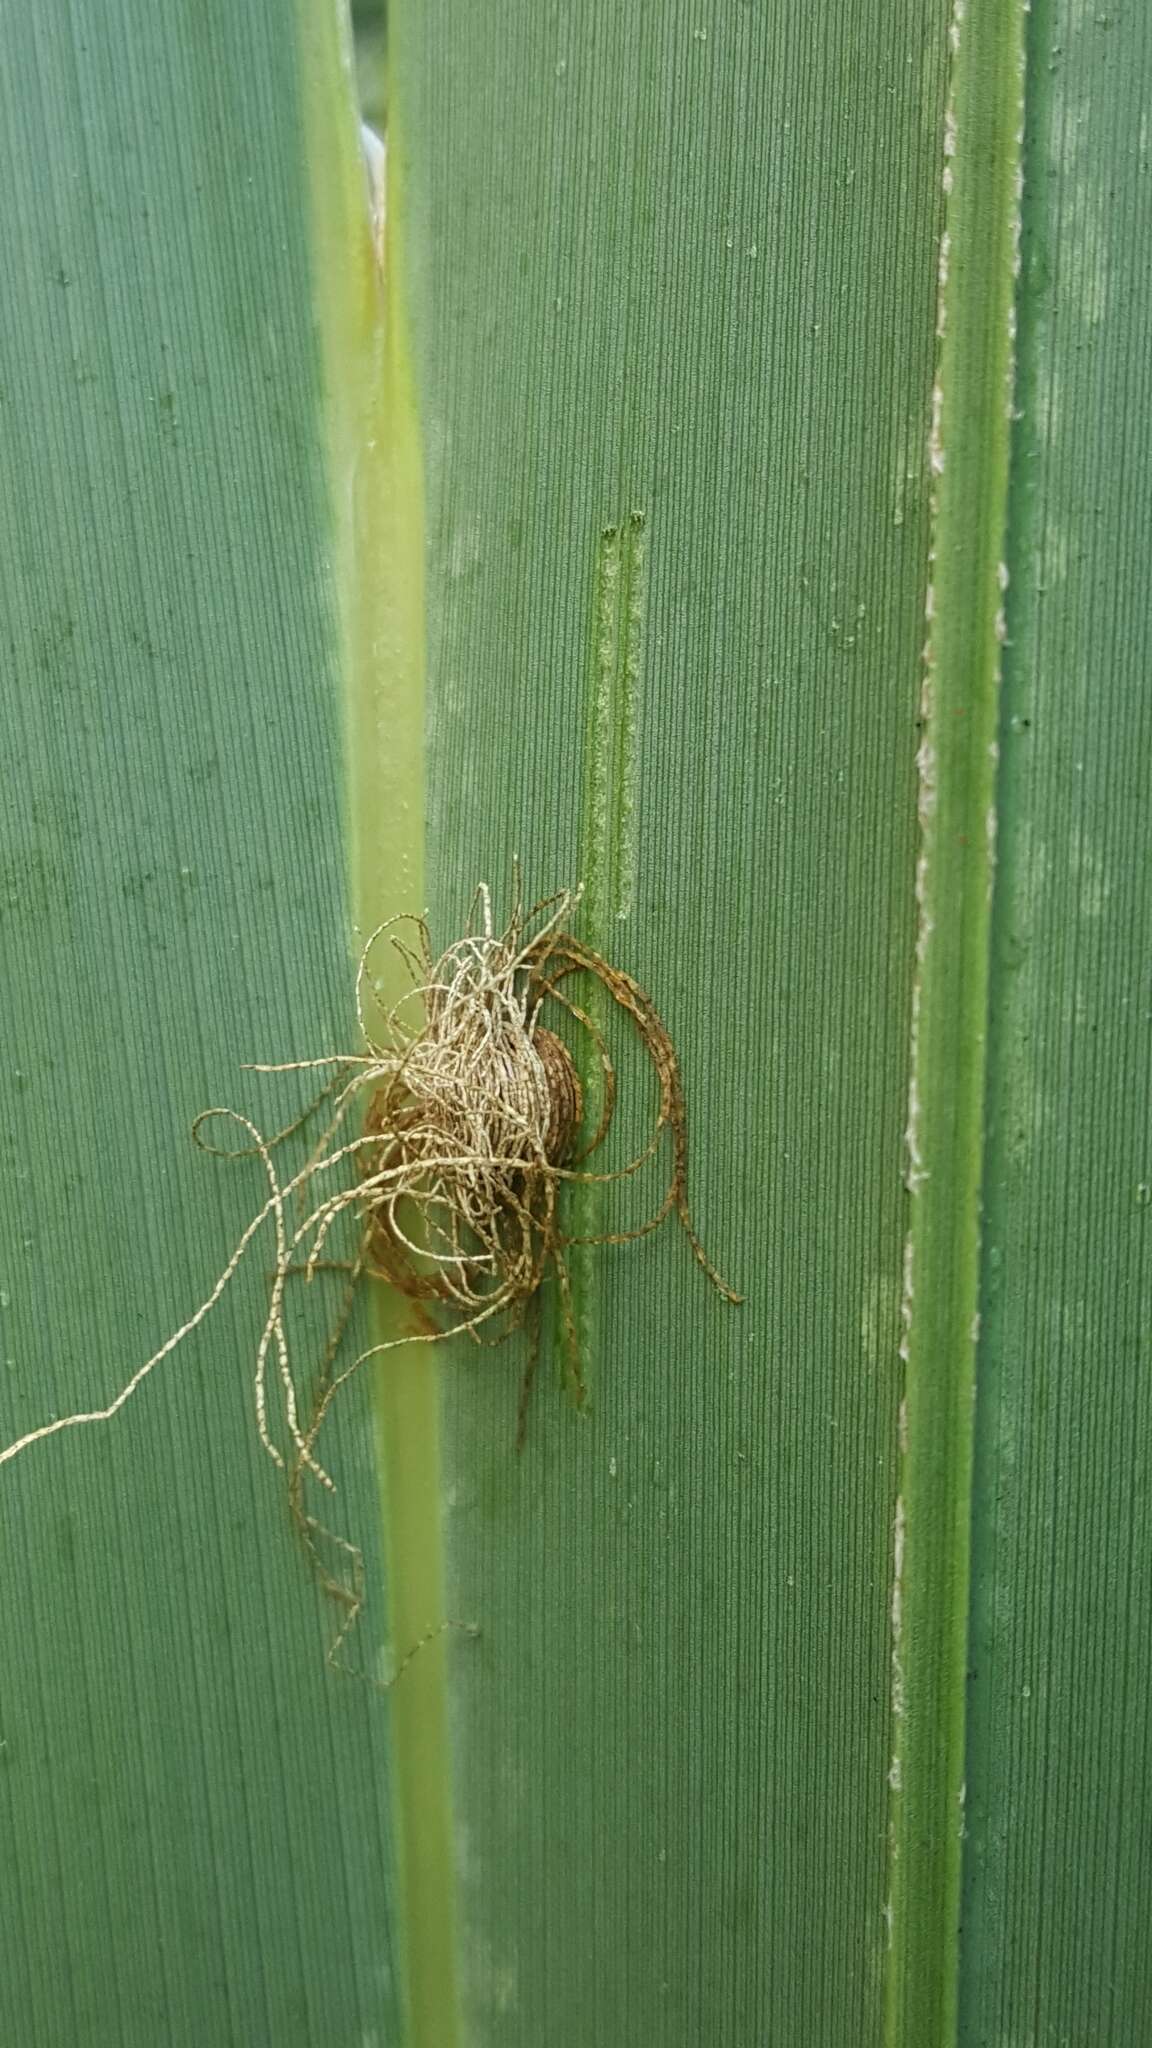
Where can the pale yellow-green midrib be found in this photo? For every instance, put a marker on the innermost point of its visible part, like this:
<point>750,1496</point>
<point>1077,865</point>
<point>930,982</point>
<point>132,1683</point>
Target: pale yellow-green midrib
<point>375,472</point>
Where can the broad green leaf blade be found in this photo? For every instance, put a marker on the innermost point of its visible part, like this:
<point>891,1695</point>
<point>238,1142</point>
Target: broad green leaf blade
<point>1059,1796</point>
<point>196,1812</point>
<point>681,263</point>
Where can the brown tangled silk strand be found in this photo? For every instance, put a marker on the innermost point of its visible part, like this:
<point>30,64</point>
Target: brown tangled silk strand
<point>478,1116</point>
<point>471,1130</point>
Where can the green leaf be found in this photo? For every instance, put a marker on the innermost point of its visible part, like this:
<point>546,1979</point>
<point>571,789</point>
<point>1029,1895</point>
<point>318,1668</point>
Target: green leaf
<point>682,263</point>
<point>197,1812</point>
<point>1055,1912</point>
<point>811,1582</point>
<point>716,347</point>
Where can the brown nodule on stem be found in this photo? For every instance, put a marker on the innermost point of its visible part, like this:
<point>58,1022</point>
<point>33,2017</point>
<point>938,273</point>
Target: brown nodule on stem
<point>470,1116</point>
